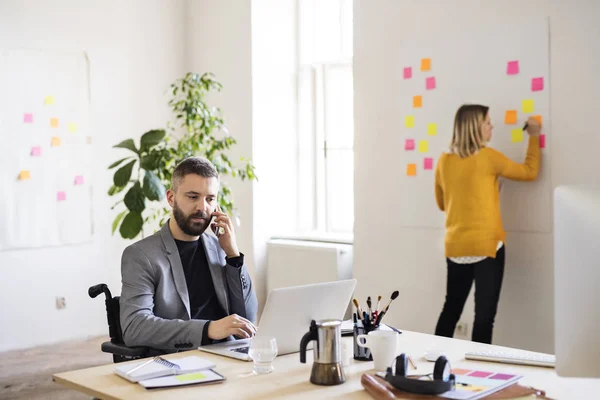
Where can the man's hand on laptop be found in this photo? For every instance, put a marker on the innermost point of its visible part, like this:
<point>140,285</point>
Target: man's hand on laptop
<point>231,325</point>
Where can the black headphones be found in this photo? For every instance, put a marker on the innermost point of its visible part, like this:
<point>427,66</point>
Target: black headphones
<point>443,380</point>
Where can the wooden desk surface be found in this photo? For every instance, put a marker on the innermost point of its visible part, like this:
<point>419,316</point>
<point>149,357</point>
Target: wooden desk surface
<point>291,378</point>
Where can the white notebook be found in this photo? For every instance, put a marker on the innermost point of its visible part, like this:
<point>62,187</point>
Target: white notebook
<point>207,376</point>
<point>157,367</point>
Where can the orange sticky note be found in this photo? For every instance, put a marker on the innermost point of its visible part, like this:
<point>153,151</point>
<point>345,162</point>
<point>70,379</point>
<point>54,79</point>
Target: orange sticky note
<point>510,118</point>
<point>411,170</point>
<point>54,122</point>
<point>539,118</point>
<point>417,101</point>
<point>425,64</point>
<point>24,175</point>
<point>55,142</point>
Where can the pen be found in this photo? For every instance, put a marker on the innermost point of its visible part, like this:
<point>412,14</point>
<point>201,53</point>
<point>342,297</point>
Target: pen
<point>412,362</point>
<point>525,126</point>
<point>141,365</point>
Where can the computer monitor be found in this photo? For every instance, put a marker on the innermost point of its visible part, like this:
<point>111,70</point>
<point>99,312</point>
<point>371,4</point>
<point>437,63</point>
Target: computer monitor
<point>577,281</point>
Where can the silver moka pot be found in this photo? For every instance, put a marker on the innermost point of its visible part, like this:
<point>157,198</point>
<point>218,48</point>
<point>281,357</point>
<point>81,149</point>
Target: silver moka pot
<point>327,363</point>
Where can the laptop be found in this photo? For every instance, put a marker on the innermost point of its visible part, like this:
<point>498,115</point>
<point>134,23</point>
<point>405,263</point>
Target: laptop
<point>287,316</point>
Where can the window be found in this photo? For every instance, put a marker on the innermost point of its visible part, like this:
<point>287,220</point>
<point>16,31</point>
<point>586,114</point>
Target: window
<point>325,117</point>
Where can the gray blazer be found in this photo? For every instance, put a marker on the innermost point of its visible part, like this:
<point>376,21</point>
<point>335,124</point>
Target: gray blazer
<point>155,305</point>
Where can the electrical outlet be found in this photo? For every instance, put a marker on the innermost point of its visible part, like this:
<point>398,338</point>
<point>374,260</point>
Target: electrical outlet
<point>61,303</point>
<point>462,329</point>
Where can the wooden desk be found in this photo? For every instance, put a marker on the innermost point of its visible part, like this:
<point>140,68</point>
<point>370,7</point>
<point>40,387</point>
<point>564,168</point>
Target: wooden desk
<point>291,378</point>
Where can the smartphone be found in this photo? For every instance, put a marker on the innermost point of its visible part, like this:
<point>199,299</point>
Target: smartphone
<point>216,230</point>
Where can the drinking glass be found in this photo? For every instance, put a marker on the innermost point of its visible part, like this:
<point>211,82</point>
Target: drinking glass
<point>263,351</point>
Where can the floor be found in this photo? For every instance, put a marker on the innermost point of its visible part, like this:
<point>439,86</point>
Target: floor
<point>27,374</point>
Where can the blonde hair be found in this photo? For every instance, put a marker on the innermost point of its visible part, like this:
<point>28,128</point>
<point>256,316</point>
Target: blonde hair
<point>467,138</point>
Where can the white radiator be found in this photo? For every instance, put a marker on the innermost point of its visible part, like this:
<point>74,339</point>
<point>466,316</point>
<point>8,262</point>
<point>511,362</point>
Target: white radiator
<point>295,262</point>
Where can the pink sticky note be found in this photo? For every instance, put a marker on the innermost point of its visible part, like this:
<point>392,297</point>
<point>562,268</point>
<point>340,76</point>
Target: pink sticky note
<point>61,196</point>
<point>36,151</point>
<point>409,144</point>
<point>79,180</point>
<point>430,83</point>
<point>28,118</point>
<point>537,84</point>
<point>407,73</point>
<point>480,374</point>
<point>542,141</point>
<point>512,68</point>
<point>428,163</point>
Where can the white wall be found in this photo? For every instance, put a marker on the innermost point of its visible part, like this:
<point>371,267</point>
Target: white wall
<point>274,61</point>
<point>136,49</point>
<point>219,40</point>
<point>387,257</point>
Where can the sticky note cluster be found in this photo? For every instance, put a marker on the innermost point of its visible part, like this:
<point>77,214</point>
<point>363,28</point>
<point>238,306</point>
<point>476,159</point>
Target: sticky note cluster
<point>411,168</point>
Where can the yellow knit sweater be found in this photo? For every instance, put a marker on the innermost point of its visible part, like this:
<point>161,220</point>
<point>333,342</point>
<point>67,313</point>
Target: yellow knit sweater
<point>467,190</point>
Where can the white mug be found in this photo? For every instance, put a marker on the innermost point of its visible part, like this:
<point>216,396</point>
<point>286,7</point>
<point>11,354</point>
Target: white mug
<point>383,346</point>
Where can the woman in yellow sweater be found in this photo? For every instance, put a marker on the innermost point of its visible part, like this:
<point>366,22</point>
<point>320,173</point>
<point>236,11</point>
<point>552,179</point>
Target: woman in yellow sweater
<point>467,189</point>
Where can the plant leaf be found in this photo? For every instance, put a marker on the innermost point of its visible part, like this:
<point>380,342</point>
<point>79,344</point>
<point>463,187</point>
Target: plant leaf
<point>134,198</point>
<point>153,187</point>
<point>132,225</point>
<point>116,163</point>
<point>123,174</point>
<point>115,189</point>
<point>150,162</point>
<point>151,138</point>
<point>118,219</point>
<point>127,144</point>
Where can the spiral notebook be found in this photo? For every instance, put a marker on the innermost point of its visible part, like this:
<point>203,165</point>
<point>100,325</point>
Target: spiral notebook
<point>159,367</point>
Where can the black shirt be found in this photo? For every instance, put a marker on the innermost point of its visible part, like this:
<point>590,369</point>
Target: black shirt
<point>204,303</point>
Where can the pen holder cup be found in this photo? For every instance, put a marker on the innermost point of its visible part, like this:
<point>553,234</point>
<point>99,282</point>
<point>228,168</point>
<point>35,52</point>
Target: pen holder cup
<point>362,353</point>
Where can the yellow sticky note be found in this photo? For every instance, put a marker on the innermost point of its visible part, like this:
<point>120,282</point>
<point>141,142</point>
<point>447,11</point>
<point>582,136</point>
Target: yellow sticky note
<point>55,142</point>
<point>72,127</point>
<point>53,122</point>
<point>510,118</point>
<point>423,146</point>
<point>517,135</point>
<point>432,129</point>
<point>528,106</point>
<point>190,377</point>
<point>24,175</point>
<point>49,100</point>
<point>411,170</point>
<point>425,64</point>
<point>417,101</point>
<point>409,121</point>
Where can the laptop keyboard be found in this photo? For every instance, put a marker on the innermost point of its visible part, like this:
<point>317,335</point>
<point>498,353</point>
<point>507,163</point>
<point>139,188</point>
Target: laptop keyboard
<point>243,350</point>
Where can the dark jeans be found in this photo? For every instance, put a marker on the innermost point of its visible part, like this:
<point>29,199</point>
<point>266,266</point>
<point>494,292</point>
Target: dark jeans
<point>487,275</point>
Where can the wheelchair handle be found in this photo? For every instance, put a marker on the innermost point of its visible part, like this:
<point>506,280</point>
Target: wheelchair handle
<point>95,290</point>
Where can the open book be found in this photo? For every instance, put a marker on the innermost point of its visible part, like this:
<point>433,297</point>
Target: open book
<point>159,367</point>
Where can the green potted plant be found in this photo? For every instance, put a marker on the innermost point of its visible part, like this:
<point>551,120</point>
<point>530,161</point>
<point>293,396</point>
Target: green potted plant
<point>144,176</point>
